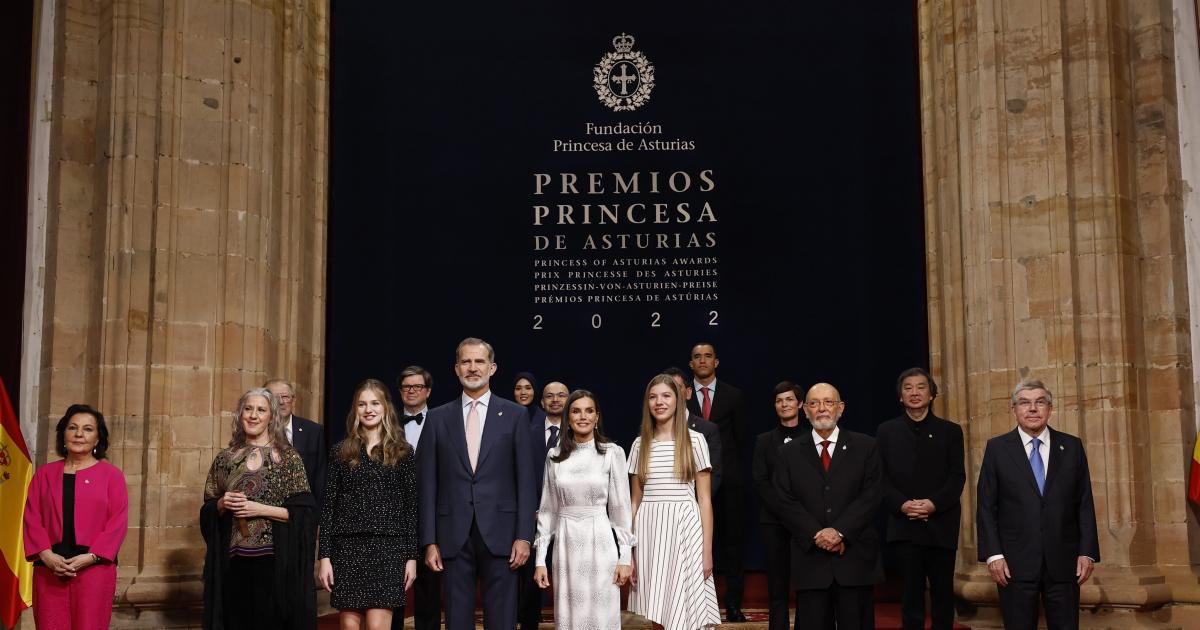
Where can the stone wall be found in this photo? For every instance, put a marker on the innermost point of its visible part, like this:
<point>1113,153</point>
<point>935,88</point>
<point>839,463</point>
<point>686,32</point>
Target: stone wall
<point>1056,249</point>
<point>185,247</point>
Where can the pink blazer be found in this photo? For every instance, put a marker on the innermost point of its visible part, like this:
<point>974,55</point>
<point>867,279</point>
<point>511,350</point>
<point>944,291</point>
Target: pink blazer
<point>101,509</point>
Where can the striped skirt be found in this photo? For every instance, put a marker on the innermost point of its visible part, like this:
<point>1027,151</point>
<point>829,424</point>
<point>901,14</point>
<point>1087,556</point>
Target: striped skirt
<point>672,590</point>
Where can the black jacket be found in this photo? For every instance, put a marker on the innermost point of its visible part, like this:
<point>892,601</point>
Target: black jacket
<point>729,414</point>
<point>308,438</point>
<point>766,457</point>
<point>712,437</point>
<point>1030,529</point>
<point>846,498</point>
<point>922,460</point>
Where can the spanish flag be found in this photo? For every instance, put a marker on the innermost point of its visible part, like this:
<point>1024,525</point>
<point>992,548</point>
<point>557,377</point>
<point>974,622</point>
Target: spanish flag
<point>16,574</point>
<point>1194,478</point>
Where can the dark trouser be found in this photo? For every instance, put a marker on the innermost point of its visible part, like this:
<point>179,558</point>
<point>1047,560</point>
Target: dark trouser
<point>530,595</point>
<point>728,512</point>
<point>777,544</point>
<point>426,601</point>
<point>1060,600</point>
<point>918,564</point>
<point>840,607</point>
<point>499,585</point>
<point>250,593</point>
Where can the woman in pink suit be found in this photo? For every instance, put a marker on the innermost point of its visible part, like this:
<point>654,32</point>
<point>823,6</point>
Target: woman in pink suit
<point>75,520</point>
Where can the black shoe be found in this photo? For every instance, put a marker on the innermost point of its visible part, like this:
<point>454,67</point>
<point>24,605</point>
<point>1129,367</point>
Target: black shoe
<point>734,615</point>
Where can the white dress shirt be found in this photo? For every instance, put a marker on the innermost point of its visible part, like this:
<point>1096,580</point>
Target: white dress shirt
<point>412,430</point>
<point>712,391</point>
<point>481,409</point>
<point>833,439</point>
<point>287,429</point>
<point>546,430</point>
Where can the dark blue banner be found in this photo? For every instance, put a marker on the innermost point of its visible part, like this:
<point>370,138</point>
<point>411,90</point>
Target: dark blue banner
<point>595,187</point>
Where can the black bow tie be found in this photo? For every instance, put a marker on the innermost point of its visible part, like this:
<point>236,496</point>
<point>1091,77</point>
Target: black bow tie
<point>417,418</point>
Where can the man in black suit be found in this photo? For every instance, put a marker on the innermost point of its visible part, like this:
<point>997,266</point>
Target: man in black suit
<point>416,384</point>
<point>923,479</point>
<point>1035,520</point>
<point>544,434</point>
<point>306,436</point>
<point>776,539</point>
<point>722,404</point>
<point>712,434</point>
<point>828,485</point>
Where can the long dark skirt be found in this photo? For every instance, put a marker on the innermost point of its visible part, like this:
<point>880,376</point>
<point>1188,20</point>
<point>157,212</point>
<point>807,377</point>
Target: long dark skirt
<point>250,594</point>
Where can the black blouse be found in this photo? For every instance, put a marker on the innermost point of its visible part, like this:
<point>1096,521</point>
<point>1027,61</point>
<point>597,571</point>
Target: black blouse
<point>67,547</point>
<point>369,499</point>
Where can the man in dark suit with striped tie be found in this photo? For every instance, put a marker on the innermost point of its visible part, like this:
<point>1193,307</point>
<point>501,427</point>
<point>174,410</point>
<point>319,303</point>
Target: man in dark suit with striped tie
<point>416,384</point>
<point>544,434</point>
<point>1035,520</point>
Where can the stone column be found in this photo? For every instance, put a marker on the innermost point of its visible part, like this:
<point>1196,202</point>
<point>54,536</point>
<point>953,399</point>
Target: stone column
<point>1056,250</point>
<point>185,257</point>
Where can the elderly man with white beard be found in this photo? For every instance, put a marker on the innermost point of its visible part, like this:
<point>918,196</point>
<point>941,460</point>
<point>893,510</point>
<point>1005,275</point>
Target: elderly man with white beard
<point>829,487</point>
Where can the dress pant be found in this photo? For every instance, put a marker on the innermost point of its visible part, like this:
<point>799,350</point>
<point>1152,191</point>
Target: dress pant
<point>840,607</point>
<point>777,545</point>
<point>426,601</point>
<point>920,564</point>
<point>83,602</point>
<point>498,584</point>
<point>1019,604</point>
<point>728,512</point>
<point>529,595</point>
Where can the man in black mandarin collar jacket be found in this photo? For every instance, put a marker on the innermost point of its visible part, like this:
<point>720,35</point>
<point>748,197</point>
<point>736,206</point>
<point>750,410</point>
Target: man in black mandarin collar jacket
<point>828,486</point>
<point>1035,520</point>
<point>923,480</point>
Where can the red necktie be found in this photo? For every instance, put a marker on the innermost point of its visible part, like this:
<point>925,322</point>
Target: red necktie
<point>825,458</point>
<point>706,410</point>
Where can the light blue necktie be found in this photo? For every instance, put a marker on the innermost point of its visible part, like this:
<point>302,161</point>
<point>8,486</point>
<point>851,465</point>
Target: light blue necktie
<point>1039,468</point>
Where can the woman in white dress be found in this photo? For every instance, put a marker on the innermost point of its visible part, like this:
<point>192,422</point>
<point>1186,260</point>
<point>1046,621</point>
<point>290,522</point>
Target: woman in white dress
<point>672,583</point>
<point>585,500</point>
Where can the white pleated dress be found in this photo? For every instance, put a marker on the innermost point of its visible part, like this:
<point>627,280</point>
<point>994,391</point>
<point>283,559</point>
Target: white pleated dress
<point>672,590</point>
<point>586,512</point>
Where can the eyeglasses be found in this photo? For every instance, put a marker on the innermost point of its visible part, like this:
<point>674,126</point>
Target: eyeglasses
<point>559,396</point>
<point>285,398</point>
<point>411,388</point>
<point>817,404</point>
<point>1025,403</point>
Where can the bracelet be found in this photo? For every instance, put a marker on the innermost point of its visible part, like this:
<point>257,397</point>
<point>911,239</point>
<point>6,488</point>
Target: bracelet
<point>95,558</point>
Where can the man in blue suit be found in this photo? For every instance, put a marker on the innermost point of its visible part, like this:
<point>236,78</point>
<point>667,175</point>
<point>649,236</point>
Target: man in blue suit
<point>478,494</point>
<point>544,434</point>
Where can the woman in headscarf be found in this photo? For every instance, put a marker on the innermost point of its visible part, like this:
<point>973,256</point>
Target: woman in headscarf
<point>527,393</point>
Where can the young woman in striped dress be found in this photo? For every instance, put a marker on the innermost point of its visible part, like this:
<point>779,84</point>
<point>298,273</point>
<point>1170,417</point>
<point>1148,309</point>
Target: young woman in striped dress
<point>672,583</point>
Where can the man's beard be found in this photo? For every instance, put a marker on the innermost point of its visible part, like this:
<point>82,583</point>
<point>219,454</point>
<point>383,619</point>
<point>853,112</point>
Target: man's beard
<point>473,384</point>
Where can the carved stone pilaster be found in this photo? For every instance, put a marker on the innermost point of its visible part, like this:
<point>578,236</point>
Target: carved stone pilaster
<point>1055,250</point>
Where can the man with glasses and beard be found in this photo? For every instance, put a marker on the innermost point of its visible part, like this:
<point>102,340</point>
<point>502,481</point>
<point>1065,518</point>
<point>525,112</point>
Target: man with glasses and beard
<point>828,487</point>
<point>545,436</point>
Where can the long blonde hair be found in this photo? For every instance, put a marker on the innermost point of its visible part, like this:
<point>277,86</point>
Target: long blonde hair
<point>392,447</point>
<point>685,463</point>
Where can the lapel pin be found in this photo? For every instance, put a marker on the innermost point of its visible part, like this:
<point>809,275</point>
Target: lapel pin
<point>1061,447</point>
<point>930,435</point>
<point>87,481</point>
<point>843,447</point>
<point>499,413</point>
<point>786,440</point>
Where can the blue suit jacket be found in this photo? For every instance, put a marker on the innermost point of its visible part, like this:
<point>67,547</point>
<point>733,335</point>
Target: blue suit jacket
<point>500,495</point>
